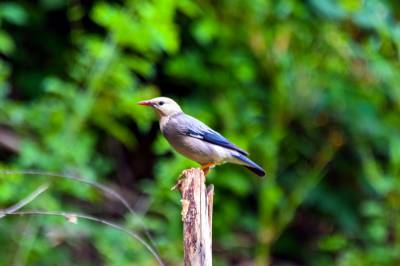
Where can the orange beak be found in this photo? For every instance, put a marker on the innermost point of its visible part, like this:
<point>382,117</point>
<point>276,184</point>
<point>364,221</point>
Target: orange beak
<point>146,103</point>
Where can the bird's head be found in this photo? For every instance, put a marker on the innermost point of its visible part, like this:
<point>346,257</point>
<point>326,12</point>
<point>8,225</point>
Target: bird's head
<point>164,106</point>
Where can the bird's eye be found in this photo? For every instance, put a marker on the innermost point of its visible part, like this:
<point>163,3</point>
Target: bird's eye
<point>160,103</point>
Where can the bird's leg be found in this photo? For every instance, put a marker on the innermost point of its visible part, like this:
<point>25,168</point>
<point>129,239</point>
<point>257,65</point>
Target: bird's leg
<point>206,168</point>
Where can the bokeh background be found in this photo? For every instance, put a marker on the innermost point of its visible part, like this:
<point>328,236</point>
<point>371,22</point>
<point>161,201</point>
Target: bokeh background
<point>310,88</point>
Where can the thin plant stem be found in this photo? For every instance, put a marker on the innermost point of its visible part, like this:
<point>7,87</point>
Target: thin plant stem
<point>94,184</point>
<point>68,215</point>
<point>24,201</point>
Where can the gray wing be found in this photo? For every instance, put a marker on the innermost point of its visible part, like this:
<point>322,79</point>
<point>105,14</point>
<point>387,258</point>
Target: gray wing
<point>190,126</point>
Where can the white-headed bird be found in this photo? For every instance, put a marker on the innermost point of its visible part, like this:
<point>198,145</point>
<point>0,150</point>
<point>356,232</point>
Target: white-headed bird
<point>195,140</point>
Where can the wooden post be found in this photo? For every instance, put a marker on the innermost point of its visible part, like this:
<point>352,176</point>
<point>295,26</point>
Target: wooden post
<point>197,206</point>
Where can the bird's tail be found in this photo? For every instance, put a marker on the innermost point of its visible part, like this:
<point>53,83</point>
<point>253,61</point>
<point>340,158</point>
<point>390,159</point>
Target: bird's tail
<point>249,164</point>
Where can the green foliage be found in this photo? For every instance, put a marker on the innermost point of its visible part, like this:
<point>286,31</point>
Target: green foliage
<point>310,88</point>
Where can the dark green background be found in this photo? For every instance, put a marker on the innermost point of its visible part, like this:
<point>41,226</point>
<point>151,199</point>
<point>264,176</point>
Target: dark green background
<point>309,88</point>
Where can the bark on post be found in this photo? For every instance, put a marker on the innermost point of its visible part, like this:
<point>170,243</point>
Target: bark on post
<point>197,205</point>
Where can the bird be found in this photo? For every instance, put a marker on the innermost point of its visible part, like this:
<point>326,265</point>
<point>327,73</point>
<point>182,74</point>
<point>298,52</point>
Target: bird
<point>195,140</point>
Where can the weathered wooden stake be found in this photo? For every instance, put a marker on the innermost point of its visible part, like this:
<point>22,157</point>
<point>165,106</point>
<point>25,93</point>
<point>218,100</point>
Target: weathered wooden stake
<point>197,208</point>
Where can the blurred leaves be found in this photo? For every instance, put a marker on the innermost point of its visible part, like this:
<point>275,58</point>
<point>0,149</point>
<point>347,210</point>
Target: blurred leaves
<point>13,13</point>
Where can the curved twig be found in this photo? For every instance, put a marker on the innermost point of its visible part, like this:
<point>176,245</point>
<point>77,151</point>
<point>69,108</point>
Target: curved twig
<point>24,201</point>
<point>68,216</point>
<point>96,185</point>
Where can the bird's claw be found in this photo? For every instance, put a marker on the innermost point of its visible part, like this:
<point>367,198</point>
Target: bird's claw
<point>206,171</point>
<point>206,168</point>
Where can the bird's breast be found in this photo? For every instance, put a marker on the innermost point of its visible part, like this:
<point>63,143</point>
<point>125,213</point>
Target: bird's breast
<point>163,123</point>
